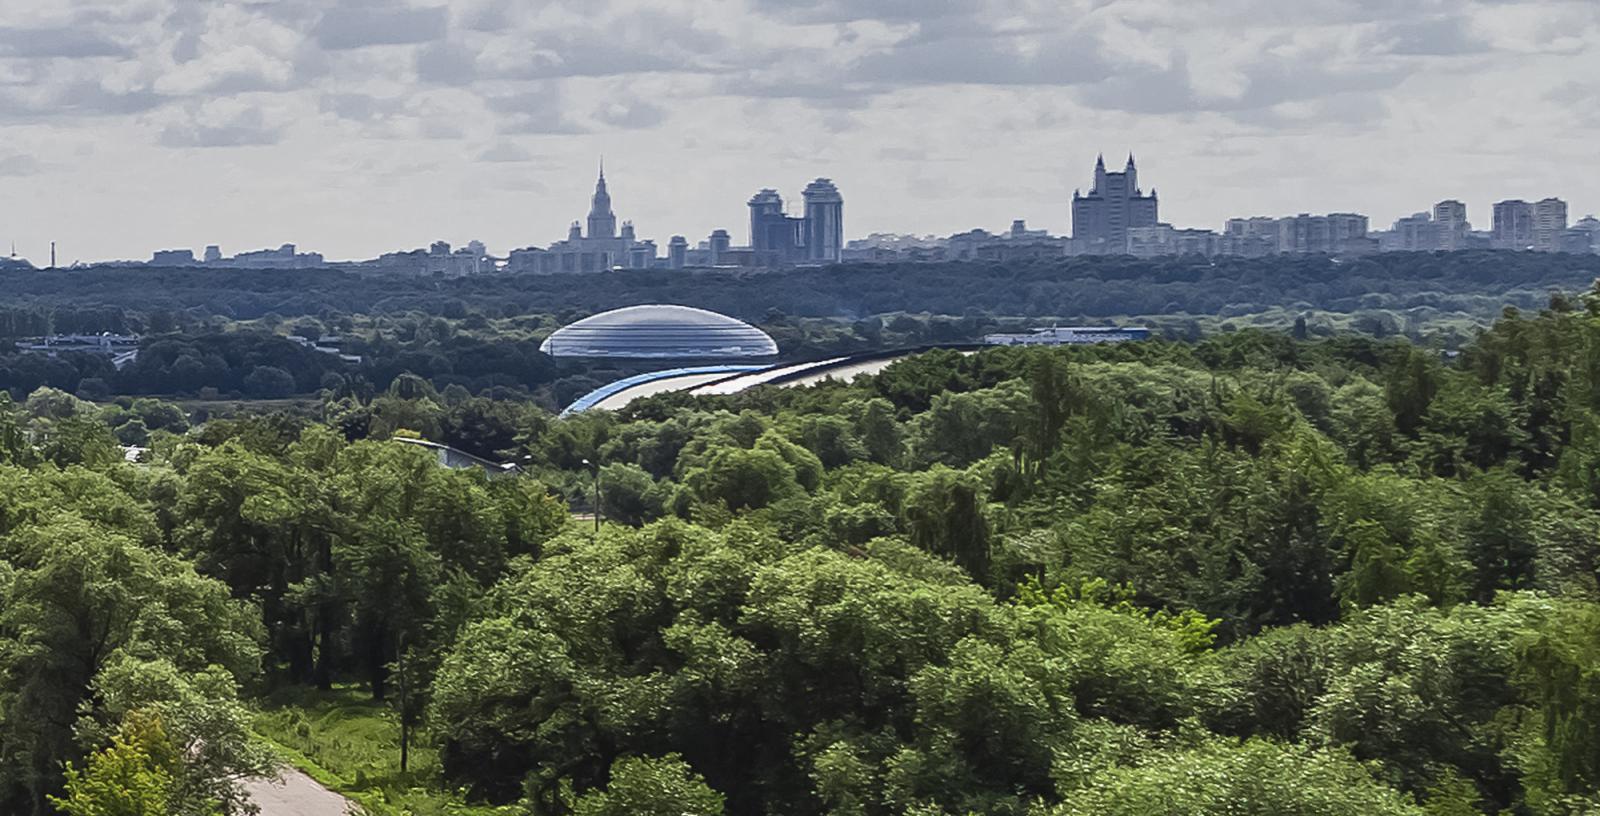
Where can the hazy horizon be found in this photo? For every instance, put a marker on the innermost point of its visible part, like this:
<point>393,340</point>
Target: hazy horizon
<point>127,127</point>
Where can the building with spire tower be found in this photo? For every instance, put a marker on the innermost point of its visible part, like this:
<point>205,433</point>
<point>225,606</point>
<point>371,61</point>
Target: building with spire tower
<point>603,247</point>
<point>602,221</point>
<point>1101,219</point>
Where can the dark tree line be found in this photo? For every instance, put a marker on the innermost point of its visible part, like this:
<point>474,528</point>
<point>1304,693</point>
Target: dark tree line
<point>1473,282</point>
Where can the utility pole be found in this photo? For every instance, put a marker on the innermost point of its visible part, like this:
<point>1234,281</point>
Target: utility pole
<point>52,254</point>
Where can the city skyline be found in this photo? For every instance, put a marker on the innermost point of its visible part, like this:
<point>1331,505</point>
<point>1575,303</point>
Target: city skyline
<point>580,231</point>
<point>372,125</point>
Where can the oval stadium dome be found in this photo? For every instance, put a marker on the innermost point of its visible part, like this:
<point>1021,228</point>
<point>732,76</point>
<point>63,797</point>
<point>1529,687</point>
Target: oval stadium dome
<point>661,333</point>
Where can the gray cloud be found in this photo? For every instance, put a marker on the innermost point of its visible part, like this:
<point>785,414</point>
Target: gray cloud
<point>447,63</point>
<point>503,153</point>
<point>66,41</point>
<point>987,60</point>
<point>646,41</point>
<point>358,107</point>
<point>490,16</point>
<point>45,101</point>
<point>19,165</point>
<point>631,114</point>
<point>826,11</point>
<point>1436,37</point>
<point>537,109</point>
<point>1275,79</point>
<point>345,28</point>
<point>1146,90</point>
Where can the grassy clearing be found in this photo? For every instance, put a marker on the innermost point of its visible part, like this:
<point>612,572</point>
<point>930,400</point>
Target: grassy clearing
<point>352,745</point>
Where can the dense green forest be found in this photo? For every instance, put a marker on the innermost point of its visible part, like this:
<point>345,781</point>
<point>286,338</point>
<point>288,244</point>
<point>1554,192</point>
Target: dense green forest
<point>1249,574</point>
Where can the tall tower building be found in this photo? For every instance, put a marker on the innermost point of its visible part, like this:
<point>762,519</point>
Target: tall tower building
<point>1513,225</point>
<point>719,243</point>
<point>1450,224</point>
<point>770,230</point>
<point>1549,221</point>
<point>603,248</point>
<point>602,222</point>
<point>824,222</point>
<point>1100,220</point>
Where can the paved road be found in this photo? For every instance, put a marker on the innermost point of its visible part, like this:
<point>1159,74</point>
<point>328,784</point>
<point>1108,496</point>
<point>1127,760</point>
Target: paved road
<point>295,795</point>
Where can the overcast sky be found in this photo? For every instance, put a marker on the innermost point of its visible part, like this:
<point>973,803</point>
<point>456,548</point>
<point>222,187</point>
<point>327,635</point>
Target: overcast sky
<point>355,128</point>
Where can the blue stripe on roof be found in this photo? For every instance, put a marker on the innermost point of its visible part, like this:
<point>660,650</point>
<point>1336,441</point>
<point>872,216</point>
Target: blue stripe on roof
<point>599,395</point>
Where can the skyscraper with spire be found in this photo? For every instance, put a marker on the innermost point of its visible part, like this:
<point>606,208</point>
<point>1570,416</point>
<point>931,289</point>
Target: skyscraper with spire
<point>602,221</point>
<point>1101,219</point>
<point>604,247</point>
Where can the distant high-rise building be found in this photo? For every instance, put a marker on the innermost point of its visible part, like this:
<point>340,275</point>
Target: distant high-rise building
<point>1451,212</point>
<point>719,244</point>
<point>678,252</point>
<point>173,257</point>
<point>1258,227</point>
<point>775,238</point>
<point>1304,234</point>
<point>1307,234</point>
<point>1414,233</point>
<point>603,247</point>
<point>824,222</point>
<point>1344,228</point>
<point>1100,220</point>
<point>1453,226</point>
<point>779,239</point>
<point>1165,240</point>
<point>1250,237</point>
<point>1583,237</point>
<point>1549,221</point>
<point>602,221</point>
<point>1513,225</point>
<point>213,253</point>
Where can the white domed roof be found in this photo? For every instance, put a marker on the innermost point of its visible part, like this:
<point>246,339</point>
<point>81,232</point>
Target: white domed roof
<point>660,332</point>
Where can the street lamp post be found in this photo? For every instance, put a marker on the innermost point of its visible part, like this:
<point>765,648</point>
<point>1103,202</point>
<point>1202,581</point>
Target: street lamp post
<point>596,468</point>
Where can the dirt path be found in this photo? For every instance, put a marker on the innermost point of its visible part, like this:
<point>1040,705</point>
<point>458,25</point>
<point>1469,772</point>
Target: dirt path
<point>295,795</point>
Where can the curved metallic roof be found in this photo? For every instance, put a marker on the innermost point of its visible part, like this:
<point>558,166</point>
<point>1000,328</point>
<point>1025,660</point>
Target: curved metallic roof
<point>620,393</point>
<point>660,332</point>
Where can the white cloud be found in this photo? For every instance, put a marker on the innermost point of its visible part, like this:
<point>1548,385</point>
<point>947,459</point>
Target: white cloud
<point>221,124</point>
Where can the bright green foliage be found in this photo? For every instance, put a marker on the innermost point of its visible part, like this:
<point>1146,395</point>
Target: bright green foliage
<point>1257,778</point>
<point>1195,633</point>
<point>959,429</point>
<point>652,787</point>
<point>628,494</point>
<point>744,479</point>
<point>79,599</point>
<point>134,776</point>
